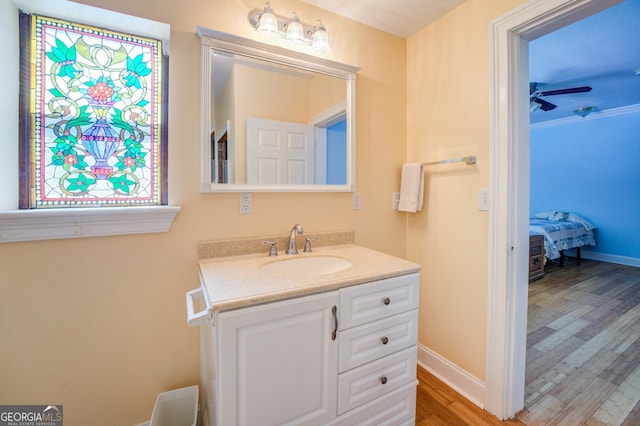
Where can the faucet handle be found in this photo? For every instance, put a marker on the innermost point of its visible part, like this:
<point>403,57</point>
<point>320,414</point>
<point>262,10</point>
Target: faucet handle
<point>307,244</point>
<point>273,251</point>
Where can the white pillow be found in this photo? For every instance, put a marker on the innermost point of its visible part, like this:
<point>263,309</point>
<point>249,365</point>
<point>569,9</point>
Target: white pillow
<point>575,218</point>
<point>553,215</point>
<point>558,216</point>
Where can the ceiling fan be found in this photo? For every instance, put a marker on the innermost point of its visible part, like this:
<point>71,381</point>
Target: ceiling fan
<point>535,95</point>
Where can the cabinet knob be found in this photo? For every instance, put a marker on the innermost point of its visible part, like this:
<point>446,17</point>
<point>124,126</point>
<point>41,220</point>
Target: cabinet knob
<point>386,301</point>
<point>383,380</point>
<point>385,340</point>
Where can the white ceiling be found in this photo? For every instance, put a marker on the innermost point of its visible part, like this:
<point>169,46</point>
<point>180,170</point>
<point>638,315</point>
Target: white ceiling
<point>400,17</point>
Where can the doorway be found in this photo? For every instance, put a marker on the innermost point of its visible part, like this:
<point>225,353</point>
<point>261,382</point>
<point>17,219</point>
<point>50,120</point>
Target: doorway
<point>509,186</point>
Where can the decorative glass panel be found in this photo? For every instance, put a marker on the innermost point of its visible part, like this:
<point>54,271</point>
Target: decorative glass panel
<point>96,113</point>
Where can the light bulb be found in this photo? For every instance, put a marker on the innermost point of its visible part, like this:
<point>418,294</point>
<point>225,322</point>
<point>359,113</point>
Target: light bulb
<point>320,41</point>
<point>268,26</point>
<point>584,111</point>
<point>295,34</point>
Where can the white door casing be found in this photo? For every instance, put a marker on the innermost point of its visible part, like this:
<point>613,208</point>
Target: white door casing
<point>509,186</point>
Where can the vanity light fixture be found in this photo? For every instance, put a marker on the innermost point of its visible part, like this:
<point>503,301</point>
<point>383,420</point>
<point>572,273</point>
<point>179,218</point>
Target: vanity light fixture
<point>320,40</point>
<point>584,111</point>
<point>290,32</point>
<point>267,26</point>
<point>295,34</point>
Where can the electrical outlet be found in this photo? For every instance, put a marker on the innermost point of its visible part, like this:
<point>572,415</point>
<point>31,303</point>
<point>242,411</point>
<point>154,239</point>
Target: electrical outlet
<point>395,200</point>
<point>355,201</point>
<point>483,199</point>
<point>246,202</point>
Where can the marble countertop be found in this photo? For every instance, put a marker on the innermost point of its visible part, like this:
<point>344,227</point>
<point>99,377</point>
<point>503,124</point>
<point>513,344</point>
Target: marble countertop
<point>233,282</point>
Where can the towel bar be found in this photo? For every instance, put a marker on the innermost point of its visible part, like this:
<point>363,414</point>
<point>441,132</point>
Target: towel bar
<point>469,160</point>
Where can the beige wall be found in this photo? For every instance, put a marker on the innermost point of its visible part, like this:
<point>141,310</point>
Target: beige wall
<point>325,92</point>
<point>99,324</point>
<point>261,93</point>
<point>448,116</point>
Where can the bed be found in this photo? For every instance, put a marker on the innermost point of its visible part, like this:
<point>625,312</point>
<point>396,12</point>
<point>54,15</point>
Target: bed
<point>562,231</point>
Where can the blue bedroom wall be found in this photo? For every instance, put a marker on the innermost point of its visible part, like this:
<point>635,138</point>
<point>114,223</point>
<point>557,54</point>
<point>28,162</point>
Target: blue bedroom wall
<point>592,168</point>
<point>337,153</point>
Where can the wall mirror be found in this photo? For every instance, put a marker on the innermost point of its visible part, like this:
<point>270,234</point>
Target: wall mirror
<point>274,119</point>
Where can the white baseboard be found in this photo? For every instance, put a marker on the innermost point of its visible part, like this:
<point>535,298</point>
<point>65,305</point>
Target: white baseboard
<point>611,258</point>
<point>455,377</point>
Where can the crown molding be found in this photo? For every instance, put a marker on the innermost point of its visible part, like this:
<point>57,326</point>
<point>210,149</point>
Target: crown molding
<point>612,112</point>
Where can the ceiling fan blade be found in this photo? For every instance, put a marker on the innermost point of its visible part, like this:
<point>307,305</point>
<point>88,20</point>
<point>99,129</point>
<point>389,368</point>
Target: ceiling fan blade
<point>565,91</point>
<point>544,105</point>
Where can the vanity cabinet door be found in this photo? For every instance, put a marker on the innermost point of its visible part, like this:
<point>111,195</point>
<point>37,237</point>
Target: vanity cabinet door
<point>278,363</point>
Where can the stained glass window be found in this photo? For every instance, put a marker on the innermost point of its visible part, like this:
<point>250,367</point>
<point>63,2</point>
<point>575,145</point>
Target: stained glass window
<point>96,116</point>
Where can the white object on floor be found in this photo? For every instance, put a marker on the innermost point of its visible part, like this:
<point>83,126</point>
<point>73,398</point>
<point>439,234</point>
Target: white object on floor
<point>178,407</point>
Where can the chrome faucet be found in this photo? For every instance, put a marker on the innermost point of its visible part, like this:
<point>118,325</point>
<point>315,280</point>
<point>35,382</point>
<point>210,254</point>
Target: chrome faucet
<point>292,249</point>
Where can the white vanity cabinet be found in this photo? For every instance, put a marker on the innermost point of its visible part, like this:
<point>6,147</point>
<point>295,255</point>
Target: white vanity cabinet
<point>278,363</point>
<point>346,356</point>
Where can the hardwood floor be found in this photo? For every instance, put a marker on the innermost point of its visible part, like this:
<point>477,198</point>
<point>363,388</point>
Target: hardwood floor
<point>438,404</point>
<point>583,354</point>
<point>583,346</point>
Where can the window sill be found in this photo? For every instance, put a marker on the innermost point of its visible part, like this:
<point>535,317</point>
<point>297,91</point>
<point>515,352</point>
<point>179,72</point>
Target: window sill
<point>36,225</point>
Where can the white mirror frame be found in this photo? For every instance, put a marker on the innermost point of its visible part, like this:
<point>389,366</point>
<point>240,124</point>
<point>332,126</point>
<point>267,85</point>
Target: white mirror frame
<point>210,40</point>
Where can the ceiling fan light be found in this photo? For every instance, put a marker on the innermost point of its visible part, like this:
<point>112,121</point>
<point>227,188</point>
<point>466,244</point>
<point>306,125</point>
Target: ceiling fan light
<point>584,111</point>
<point>534,106</point>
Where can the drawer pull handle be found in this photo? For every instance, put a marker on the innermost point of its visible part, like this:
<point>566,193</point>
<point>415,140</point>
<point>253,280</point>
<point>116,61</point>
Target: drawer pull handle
<point>386,301</point>
<point>383,380</point>
<point>334,311</point>
<point>385,340</point>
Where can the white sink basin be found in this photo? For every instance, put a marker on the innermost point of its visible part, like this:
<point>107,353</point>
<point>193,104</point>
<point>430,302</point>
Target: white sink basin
<point>308,265</point>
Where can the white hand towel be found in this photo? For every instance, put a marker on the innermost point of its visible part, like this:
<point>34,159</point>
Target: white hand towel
<point>411,188</point>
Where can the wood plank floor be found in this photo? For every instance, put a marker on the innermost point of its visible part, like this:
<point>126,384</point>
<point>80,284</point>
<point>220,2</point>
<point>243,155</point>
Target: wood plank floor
<point>438,404</point>
<point>583,354</point>
<point>583,346</point>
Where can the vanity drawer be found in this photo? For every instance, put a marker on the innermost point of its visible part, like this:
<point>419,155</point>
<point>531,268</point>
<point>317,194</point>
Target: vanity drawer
<point>364,384</point>
<point>397,408</point>
<point>380,299</point>
<point>380,338</point>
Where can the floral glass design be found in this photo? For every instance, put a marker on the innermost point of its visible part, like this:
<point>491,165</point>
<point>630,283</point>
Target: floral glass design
<point>96,116</point>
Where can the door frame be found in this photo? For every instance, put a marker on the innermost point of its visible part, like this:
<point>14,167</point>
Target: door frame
<point>509,188</point>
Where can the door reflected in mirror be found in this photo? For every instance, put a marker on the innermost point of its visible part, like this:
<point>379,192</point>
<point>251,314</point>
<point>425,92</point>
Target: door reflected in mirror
<point>276,123</point>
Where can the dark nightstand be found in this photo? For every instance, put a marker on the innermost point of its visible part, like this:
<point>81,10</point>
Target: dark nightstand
<point>536,257</point>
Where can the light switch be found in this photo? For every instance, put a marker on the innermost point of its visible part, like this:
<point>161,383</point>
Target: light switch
<point>483,199</point>
<point>355,201</point>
